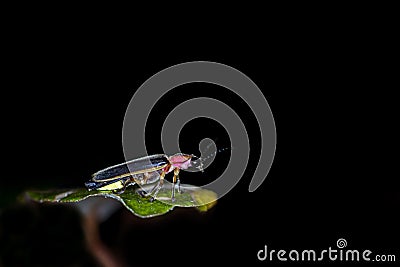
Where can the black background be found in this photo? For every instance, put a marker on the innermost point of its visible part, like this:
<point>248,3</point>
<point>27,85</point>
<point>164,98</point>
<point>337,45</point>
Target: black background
<point>332,176</point>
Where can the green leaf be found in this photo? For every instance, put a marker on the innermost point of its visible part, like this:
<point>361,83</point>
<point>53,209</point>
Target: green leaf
<point>190,196</point>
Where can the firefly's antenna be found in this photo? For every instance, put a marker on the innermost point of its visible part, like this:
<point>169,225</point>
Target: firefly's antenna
<point>201,160</point>
<point>216,152</point>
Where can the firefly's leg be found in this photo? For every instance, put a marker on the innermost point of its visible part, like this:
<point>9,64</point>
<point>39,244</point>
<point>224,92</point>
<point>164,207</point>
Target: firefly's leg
<point>157,187</point>
<point>146,177</point>
<point>178,181</point>
<point>160,185</point>
<point>176,177</point>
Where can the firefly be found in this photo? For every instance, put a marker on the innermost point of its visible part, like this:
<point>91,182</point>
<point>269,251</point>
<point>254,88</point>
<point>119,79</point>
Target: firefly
<point>145,170</point>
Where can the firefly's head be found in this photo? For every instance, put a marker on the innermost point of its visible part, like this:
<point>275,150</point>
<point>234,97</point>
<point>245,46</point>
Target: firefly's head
<point>181,161</point>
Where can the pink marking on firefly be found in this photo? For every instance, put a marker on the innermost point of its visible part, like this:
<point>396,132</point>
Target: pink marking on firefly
<point>180,161</point>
